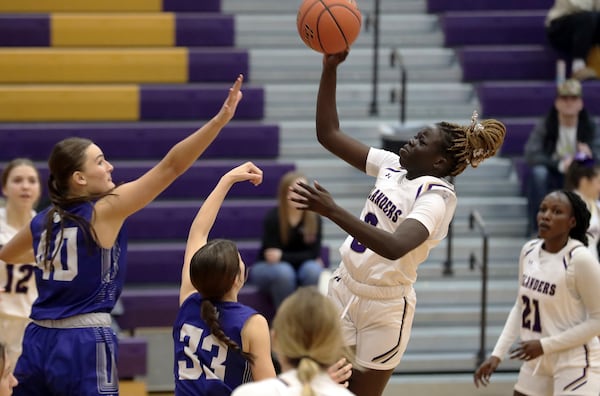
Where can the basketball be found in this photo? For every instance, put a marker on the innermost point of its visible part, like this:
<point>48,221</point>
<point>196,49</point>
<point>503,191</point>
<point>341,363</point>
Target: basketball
<point>328,26</point>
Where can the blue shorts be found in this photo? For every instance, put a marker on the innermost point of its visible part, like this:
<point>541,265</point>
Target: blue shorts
<point>68,362</point>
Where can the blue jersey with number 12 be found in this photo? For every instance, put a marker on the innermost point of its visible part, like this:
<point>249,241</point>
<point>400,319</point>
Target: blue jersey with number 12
<point>85,277</point>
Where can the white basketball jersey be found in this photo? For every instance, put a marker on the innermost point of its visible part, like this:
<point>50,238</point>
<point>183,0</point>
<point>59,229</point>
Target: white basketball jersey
<point>548,304</point>
<point>389,203</point>
<point>18,281</point>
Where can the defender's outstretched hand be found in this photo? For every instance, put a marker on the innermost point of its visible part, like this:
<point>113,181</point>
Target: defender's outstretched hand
<point>246,171</point>
<point>230,105</point>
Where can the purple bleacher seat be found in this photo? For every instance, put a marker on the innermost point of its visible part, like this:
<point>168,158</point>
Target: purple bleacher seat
<point>198,181</point>
<point>132,358</point>
<point>23,30</point>
<point>192,5</point>
<point>507,63</point>
<point>143,140</point>
<point>527,99</point>
<point>160,263</point>
<point>517,132</point>
<point>210,65</point>
<point>196,101</point>
<point>157,307</point>
<point>170,220</point>
<point>500,27</point>
<point>204,30</point>
<point>435,6</point>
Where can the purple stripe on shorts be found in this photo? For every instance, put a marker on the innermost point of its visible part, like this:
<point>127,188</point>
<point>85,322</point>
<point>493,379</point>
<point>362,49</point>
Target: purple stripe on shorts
<point>29,30</point>
<point>216,65</point>
<point>204,30</point>
<point>192,5</point>
<point>179,102</point>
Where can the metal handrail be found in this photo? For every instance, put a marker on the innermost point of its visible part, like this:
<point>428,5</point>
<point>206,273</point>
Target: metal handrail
<point>396,58</point>
<point>373,20</point>
<point>475,219</point>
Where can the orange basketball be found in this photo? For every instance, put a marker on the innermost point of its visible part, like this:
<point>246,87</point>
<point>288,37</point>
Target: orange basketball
<point>329,26</point>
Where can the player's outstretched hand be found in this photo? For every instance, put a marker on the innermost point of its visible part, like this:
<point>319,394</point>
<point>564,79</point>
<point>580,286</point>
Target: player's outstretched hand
<point>246,171</point>
<point>231,102</point>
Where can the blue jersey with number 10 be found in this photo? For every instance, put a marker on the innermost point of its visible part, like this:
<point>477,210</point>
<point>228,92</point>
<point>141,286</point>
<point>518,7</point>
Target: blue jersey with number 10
<point>86,278</point>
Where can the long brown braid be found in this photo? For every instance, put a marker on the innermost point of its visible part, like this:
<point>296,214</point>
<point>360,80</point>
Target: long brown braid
<point>213,271</point>
<point>471,144</point>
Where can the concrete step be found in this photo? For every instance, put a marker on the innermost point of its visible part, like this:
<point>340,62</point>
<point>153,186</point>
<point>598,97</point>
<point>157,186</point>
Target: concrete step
<point>266,7</point>
<point>280,31</point>
<point>292,65</point>
<point>431,384</point>
<point>425,101</point>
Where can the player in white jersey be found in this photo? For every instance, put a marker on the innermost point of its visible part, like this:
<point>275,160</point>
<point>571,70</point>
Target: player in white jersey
<point>583,177</point>
<point>305,347</point>
<point>406,214</point>
<point>557,311</point>
<point>21,190</point>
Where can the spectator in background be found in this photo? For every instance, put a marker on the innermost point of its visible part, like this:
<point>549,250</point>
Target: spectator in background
<point>566,130</point>
<point>583,177</point>
<point>21,189</point>
<point>573,28</point>
<point>290,255</point>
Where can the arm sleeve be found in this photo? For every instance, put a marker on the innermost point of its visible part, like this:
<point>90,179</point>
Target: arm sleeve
<point>583,274</point>
<point>510,332</point>
<point>378,158</point>
<point>512,326</point>
<point>429,210</point>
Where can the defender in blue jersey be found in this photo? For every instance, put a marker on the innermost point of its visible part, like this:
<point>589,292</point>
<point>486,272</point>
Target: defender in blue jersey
<point>79,246</point>
<point>219,343</point>
<point>406,215</point>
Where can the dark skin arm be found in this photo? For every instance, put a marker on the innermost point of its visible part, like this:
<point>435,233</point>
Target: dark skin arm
<point>329,133</point>
<point>409,234</point>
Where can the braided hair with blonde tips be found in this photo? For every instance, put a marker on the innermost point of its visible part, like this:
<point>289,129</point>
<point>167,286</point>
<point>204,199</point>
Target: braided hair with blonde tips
<point>473,143</point>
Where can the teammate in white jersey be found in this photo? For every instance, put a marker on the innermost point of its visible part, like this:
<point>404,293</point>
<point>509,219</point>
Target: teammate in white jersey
<point>557,311</point>
<point>21,190</point>
<point>406,214</point>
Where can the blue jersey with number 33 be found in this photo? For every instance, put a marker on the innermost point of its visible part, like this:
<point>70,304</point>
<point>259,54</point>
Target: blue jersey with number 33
<point>204,365</point>
<point>85,278</point>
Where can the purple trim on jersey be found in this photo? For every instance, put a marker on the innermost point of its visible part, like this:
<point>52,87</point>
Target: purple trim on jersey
<point>430,186</point>
<point>394,170</point>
